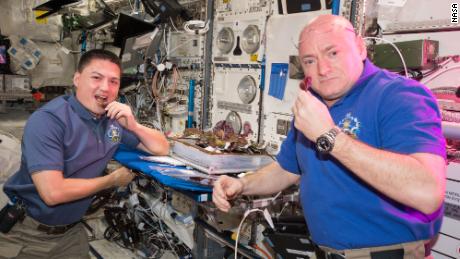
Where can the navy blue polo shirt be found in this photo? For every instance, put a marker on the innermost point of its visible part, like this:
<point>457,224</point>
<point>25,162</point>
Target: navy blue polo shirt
<point>64,136</point>
<point>385,111</point>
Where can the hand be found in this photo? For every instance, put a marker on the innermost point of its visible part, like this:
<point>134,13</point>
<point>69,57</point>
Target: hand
<point>123,114</point>
<point>226,188</point>
<point>312,117</point>
<point>122,176</point>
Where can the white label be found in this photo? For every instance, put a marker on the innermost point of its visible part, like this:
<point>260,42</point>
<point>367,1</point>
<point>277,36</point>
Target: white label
<point>452,211</point>
<point>454,13</point>
<point>452,192</point>
<point>204,197</point>
<point>397,3</point>
<point>21,83</point>
<point>298,252</point>
<point>304,241</point>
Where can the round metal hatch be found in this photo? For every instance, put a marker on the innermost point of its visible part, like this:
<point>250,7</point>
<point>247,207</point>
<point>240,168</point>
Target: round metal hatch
<point>234,119</point>
<point>251,39</point>
<point>225,40</point>
<point>247,89</point>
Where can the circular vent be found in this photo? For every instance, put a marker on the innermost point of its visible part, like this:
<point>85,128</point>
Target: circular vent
<point>251,39</point>
<point>247,89</point>
<point>225,40</point>
<point>235,121</point>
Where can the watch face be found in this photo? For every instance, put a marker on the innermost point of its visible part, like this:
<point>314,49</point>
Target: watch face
<point>323,144</point>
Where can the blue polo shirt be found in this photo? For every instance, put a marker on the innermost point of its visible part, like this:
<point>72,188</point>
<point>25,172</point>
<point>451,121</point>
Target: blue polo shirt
<point>385,111</point>
<point>64,136</point>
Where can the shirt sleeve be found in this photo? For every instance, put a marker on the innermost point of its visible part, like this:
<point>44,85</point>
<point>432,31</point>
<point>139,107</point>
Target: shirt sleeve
<point>129,138</point>
<point>410,121</point>
<point>287,157</point>
<point>43,143</point>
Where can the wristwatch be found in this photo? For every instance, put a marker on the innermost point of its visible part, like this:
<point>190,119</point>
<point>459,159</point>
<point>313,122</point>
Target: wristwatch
<point>325,142</point>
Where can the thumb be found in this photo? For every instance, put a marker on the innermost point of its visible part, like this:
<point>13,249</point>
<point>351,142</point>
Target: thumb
<point>233,190</point>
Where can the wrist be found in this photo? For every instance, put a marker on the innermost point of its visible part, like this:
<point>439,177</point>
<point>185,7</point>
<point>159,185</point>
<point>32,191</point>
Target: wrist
<point>244,183</point>
<point>112,179</point>
<point>135,127</point>
<point>341,141</point>
<point>326,142</point>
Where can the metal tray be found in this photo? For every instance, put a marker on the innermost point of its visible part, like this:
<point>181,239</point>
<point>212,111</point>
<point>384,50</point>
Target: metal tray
<point>186,151</point>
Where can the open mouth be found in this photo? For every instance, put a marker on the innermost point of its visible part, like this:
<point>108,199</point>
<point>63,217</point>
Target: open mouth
<point>101,100</point>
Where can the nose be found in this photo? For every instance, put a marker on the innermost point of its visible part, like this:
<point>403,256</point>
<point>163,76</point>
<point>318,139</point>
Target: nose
<point>104,86</point>
<point>323,67</point>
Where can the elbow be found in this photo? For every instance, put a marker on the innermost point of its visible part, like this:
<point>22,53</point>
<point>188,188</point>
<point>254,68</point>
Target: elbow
<point>159,148</point>
<point>51,198</point>
<point>432,203</point>
<point>430,208</point>
<point>164,149</point>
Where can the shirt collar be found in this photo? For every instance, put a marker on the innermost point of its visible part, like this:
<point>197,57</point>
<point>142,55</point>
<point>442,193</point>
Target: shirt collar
<point>82,111</point>
<point>368,70</point>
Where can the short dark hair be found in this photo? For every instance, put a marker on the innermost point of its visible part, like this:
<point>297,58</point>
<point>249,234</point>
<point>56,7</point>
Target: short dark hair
<point>103,54</point>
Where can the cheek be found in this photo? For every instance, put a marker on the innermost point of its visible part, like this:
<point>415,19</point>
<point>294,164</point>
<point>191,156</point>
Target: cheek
<point>114,91</point>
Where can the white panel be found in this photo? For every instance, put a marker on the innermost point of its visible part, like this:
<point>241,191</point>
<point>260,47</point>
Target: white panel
<point>282,37</point>
<point>271,130</point>
<point>449,238</point>
<point>19,19</point>
<point>237,25</point>
<point>447,247</point>
<point>55,67</point>
<point>242,7</point>
<point>453,172</point>
<point>416,15</point>
<point>225,96</point>
<point>439,256</point>
<point>451,222</point>
<point>182,45</point>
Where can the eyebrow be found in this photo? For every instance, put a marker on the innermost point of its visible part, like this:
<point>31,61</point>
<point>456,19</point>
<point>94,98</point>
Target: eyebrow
<point>99,74</point>
<point>329,48</point>
<point>325,50</point>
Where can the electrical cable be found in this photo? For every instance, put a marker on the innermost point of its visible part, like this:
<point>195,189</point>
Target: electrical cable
<point>246,213</point>
<point>173,25</point>
<point>158,220</point>
<point>148,8</point>
<point>265,253</point>
<point>167,239</point>
<point>397,50</point>
<point>164,41</point>
<point>440,73</point>
<point>131,5</point>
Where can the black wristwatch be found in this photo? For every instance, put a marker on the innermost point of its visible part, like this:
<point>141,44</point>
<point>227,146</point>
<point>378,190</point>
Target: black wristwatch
<point>325,142</point>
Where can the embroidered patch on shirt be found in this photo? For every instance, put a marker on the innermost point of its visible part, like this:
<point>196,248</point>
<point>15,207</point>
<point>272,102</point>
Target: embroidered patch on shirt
<point>114,134</point>
<point>350,125</point>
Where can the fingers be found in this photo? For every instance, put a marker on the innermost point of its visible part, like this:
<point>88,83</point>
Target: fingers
<point>225,189</point>
<point>220,202</point>
<point>122,113</point>
<point>114,108</point>
<point>122,176</point>
<point>218,195</point>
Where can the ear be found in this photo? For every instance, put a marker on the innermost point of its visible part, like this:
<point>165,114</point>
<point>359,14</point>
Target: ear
<point>361,47</point>
<point>76,79</point>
